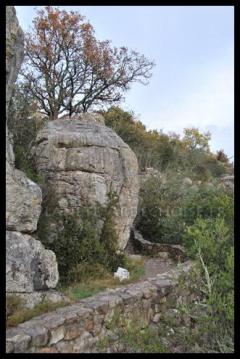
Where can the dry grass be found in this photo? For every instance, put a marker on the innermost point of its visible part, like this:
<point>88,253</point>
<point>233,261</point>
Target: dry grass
<point>16,314</point>
<point>92,286</point>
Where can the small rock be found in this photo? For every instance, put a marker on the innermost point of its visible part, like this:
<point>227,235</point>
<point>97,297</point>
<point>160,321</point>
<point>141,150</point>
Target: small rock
<point>121,274</point>
<point>57,335</point>
<point>171,331</point>
<point>156,318</point>
<point>163,300</point>
<point>187,181</point>
<point>20,342</point>
<point>163,255</point>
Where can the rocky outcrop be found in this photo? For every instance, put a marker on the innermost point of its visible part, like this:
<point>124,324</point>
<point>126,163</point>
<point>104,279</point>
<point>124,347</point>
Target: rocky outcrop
<point>30,267</point>
<point>24,199</point>
<point>82,160</point>
<point>14,50</point>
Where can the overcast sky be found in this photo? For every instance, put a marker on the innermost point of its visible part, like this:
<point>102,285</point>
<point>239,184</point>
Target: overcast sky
<point>193,48</point>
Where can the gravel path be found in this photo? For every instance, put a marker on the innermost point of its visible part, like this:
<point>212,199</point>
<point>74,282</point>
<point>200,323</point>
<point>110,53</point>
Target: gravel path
<point>154,266</point>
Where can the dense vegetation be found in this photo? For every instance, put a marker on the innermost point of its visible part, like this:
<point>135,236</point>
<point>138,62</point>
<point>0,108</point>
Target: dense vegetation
<point>24,122</point>
<point>84,242</point>
<point>190,155</point>
<point>168,205</point>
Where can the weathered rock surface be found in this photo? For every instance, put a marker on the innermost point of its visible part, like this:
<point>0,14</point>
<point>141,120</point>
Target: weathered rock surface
<point>30,266</point>
<point>83,160</point>
<point>14,50</point>
<point>30,300</point>
<point>23,197</point>
<point>23,201</point>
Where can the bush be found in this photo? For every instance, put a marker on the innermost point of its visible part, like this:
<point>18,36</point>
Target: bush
<point>13,304</point>
<point>158,216</point>
<point>166,151</point>
<point>206,202</point>
<point>85,242</point>
<point>24,124</point>
<point>215,166</point>
<point>167,206</point>
<point>210,242</point>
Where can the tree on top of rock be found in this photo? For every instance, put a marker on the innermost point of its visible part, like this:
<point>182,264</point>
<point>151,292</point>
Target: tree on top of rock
<point>69,71</point>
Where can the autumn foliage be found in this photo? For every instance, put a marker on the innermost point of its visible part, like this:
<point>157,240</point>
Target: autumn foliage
<point>69,71</point>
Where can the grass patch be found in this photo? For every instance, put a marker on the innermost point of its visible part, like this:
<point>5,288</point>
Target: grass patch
<point>131,338</point>
<point>16,314</point>
<point>142,341</point>
<point>94,285</point>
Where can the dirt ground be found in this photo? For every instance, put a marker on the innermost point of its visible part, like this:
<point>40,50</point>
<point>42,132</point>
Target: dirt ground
<point>154,266</point>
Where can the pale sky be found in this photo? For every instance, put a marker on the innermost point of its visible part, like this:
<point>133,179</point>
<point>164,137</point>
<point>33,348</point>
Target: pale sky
<point>193,48</point>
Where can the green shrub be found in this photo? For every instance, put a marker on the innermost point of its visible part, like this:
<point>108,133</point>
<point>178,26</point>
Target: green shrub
<point>207,202</point>
<point>166,151</point>
<point>166,207</point>
<point>85,242</point>
<point>158,216</point>
<point>20,314</point>
<point>13,304</point>
<point>210,242</point>
<point>24,122</point>
<point>131,336</point>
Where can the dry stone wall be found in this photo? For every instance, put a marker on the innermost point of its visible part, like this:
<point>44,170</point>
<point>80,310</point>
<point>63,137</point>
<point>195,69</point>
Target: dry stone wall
<point>79,328</point>
<point>162,250</point>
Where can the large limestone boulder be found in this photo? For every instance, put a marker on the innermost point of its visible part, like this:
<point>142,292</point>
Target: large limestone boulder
<point>83,160</point>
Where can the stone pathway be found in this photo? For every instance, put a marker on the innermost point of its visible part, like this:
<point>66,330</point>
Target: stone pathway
<point>154,266</point>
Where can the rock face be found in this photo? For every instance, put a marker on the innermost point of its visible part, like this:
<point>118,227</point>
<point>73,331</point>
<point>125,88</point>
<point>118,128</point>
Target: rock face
<point>24,199</point>
<point>83,160</point>
<point>30,267</point>
<point>14,50</point>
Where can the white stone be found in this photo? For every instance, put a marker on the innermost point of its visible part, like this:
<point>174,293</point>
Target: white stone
<point>121,274</point>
